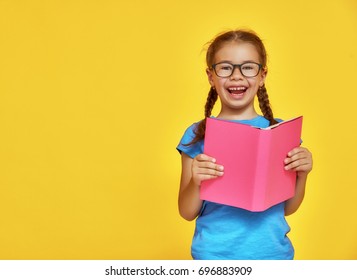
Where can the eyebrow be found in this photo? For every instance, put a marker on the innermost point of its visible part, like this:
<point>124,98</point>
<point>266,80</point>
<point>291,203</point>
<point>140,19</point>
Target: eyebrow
<point>231,62</point>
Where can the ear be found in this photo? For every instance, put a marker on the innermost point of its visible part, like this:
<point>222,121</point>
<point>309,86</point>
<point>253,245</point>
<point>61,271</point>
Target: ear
<point>263,76</point>
<point>210,77</point>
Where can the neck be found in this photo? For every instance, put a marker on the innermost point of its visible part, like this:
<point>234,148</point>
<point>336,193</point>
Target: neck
<point>237,114</point>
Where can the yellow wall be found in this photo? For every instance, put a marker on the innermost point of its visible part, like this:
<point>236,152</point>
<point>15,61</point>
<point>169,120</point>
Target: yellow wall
<point>95,95</point>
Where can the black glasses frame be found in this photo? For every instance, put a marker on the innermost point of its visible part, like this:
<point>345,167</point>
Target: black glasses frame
<point>239,66</point>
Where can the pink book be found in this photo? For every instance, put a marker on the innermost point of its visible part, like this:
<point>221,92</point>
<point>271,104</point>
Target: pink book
<point>254,176</point>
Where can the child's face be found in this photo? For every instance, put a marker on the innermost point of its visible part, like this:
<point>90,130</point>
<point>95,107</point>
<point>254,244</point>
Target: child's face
<point>237,92</point>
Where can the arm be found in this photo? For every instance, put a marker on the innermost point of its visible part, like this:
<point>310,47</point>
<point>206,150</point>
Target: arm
<point>299,160</point>
<point>194,171</point>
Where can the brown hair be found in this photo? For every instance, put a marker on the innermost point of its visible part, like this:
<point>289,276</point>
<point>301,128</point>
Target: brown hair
<point>214,46</point>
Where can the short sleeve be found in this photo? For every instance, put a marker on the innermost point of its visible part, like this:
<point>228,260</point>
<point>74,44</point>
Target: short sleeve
<point>191,150</point>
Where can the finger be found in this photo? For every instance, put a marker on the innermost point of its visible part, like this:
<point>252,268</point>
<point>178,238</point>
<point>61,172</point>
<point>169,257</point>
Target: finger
<point>210,165</point>
<point>207,177</point>
<point>295,157</point>
<point>296,151</point>
<point>212,170</point>
<point>204,157</point>
<point>213,174</point>
<point>204,161</point>
<point>210,175</point>
<point>304,167</point>
<point>297,163</point>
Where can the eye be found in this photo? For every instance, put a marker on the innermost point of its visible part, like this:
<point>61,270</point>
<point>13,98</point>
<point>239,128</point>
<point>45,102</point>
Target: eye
<point>249,66</point>
<point>225,67</point>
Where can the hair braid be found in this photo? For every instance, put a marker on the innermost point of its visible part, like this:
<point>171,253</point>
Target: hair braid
<point>211,100</point>
<point>264,105</point>
<point>201,127</point>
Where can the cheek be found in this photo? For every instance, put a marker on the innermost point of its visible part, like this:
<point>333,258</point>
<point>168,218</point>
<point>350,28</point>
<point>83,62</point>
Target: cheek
<point>252,83</point>
<point>218,83</point>
<point>256,83</point>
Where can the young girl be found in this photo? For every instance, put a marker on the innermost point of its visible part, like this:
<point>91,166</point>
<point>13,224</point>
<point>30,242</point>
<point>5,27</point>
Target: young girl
<point>236,70</point>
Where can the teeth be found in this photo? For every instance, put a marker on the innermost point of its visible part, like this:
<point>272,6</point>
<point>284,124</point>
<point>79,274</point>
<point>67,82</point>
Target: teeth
<point>237,88</point>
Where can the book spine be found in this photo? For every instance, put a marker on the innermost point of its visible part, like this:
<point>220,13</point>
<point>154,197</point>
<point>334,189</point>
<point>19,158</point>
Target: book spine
<point>262,169</point>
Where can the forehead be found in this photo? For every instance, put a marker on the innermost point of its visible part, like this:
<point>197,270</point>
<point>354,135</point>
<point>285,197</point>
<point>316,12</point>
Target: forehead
<point>237,52</point>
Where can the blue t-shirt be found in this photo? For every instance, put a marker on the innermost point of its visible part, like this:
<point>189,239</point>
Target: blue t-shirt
<point>229,233</point>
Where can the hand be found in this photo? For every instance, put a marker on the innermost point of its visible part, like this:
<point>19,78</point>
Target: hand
<point>204,167</point>
<point>299,160</point>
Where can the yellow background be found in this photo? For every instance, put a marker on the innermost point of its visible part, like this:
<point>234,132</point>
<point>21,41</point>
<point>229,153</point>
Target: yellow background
<point>95,95</point>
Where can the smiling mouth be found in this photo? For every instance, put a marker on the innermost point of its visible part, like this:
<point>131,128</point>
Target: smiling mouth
<point>237,90</point>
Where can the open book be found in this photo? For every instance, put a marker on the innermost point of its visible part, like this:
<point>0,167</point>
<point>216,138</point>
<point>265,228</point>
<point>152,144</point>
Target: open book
<point>254,176</point>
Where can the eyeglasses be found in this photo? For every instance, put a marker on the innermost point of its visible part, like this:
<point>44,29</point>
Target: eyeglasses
<point>226,69</point>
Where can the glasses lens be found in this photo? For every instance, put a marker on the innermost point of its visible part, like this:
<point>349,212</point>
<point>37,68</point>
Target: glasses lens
<point>224,69</point>
<point>250,69</point>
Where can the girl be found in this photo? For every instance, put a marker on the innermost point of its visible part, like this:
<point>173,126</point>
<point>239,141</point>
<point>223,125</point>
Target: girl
<point>236,70</point>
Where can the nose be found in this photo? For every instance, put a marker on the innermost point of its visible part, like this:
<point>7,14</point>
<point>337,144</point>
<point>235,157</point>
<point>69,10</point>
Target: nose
<point>236,75</point>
